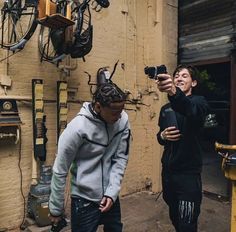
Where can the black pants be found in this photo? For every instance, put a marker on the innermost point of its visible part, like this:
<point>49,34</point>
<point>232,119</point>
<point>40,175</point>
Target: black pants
<point>183,195</point>
<point>86,216</point>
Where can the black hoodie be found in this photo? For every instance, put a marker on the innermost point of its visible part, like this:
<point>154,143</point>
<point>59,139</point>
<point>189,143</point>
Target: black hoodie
<point>185,155</point>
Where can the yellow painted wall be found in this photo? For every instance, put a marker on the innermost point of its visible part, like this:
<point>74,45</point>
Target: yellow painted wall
<point>135,32</point>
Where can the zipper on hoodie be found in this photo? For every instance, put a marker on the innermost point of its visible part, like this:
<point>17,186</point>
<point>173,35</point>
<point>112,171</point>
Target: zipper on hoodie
<point>102,158</point>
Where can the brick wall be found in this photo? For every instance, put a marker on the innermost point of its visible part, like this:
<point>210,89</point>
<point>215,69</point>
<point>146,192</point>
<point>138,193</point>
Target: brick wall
<point>135,32</point>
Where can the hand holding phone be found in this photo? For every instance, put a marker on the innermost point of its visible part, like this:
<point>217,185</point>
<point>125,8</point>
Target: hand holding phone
<point>171,134</point>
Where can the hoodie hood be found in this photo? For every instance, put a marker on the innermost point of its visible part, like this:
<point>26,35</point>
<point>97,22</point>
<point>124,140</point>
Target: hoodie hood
<point>88,112</point>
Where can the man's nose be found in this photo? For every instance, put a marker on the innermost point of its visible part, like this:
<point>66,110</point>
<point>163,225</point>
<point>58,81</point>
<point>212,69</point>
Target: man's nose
<point>179,78</point>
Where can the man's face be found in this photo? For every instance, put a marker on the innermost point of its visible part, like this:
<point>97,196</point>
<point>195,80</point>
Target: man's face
<point>112,113</point>
<point>183,80</point>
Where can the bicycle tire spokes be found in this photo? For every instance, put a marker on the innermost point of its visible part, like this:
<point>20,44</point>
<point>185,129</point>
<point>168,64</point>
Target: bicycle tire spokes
<point>17,22</point>
<point>45,46</point>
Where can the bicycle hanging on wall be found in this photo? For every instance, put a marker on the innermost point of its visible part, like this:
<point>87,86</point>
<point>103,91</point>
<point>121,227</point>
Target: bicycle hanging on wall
<point>19,20</point>
<point>55,43</point>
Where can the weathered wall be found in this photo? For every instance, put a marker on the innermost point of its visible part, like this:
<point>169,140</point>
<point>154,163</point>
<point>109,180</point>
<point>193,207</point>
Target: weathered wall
<point>135,32</point>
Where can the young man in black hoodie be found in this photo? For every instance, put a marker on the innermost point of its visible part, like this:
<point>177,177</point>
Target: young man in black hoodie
<point>180,122</point>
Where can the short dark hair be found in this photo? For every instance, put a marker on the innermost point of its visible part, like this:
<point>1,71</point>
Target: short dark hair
<point>194,73</point>
<point>108,93</point>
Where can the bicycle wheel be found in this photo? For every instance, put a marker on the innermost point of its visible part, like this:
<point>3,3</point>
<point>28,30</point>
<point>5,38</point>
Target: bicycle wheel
<point>17,22</point>
<point>51,42</point>
<point>45,46</point>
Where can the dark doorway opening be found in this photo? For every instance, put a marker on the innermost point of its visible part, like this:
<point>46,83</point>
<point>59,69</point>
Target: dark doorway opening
<point>214,84</point>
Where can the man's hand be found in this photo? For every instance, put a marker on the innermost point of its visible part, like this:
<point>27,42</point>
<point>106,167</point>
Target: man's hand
<point>54,219</point>
<point>58,223</point>
<point>106,204</point>
<point>165,84</point>
<point>171,134</point>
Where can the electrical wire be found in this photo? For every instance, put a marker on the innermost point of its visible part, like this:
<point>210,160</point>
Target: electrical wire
<point>9,56</point>
<point>21,181</point>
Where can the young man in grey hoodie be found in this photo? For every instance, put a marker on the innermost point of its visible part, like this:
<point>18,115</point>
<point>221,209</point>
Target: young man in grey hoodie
<point>94,147</point>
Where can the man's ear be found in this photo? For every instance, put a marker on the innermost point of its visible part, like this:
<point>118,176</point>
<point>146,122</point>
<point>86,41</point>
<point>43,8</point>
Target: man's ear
<point>194,83</point>
<point>97,107</point>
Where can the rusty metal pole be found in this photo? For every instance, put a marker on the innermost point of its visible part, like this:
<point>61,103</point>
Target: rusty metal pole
<point>233,207</point>
<point>229,169</point>
<point>232,128</point>
<point>232,134</point>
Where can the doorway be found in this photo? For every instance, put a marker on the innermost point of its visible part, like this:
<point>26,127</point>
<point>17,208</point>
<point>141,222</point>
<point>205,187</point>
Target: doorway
<point>214,85</point>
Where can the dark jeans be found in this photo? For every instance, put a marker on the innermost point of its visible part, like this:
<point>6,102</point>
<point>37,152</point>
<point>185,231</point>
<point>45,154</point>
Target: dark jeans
<point>183,195</point>
<point>86,216</point>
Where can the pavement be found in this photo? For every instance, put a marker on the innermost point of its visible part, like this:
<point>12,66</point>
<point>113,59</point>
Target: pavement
<point>147,212</point>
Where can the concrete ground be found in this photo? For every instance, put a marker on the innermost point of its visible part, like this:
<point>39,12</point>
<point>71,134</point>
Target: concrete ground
<point>143,212</point>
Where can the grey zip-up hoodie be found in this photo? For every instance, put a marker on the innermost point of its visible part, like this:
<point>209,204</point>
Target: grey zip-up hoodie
<point>96,153</point>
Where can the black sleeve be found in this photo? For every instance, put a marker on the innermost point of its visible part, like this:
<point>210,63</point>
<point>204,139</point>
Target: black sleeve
<point>194,108</point>
<point>161,128</point>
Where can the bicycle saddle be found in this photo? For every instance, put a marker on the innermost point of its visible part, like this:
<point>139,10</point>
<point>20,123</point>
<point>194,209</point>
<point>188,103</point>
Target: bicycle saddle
<point>103,3</point>
<point>97,5</point>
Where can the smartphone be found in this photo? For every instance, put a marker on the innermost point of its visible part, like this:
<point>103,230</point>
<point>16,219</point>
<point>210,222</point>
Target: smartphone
<point>170,118</point>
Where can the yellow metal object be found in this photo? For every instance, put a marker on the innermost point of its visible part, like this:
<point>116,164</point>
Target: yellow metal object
<point>220,146</point>
<point>233,209</point>
<point>229,168</point>
<point>230,172</point>
<point>228,163</point>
